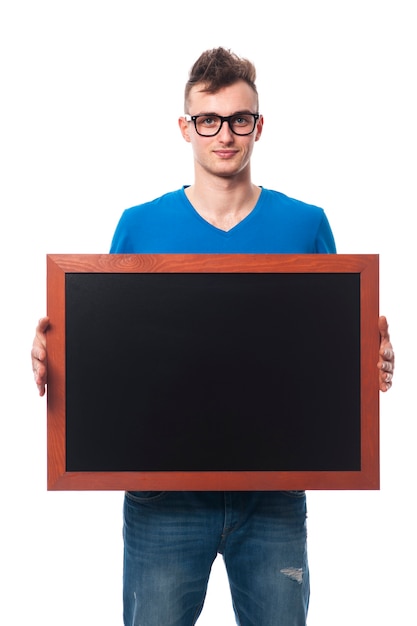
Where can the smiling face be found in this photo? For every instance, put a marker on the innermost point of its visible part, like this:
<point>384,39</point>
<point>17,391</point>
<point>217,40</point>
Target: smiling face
<point>226,154</point>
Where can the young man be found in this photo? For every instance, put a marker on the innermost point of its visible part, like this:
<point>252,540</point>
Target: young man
<point>172,538</point>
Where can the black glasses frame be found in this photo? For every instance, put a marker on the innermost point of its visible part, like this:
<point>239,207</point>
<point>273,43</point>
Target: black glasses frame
<point>228,118</point>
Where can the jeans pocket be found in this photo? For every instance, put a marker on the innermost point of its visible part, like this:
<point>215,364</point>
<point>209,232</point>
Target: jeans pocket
<point>296,493</point>
<point>144,496</point>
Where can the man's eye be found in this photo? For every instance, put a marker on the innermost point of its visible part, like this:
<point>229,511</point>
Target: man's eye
<point>241,120</point>
<point>208,121</point>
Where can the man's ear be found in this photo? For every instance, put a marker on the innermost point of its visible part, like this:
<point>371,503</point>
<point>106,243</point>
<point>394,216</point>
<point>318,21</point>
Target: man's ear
<point>184,128</point>
<point>259,127</point>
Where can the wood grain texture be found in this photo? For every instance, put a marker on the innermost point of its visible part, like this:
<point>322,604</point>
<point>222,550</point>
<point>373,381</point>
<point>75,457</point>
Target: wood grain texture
<point>366,266</point>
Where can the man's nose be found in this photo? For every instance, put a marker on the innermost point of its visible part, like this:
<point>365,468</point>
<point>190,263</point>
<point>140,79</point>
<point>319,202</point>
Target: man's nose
<point>225,133</point>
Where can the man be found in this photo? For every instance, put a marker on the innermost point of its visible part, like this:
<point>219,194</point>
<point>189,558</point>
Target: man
<point>172,538</point>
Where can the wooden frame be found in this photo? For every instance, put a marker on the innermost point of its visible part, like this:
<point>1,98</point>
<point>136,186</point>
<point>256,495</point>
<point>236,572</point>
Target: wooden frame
<point>308,327</point>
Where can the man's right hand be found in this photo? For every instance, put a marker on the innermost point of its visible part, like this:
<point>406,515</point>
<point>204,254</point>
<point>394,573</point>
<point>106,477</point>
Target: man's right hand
<point>39,356</point>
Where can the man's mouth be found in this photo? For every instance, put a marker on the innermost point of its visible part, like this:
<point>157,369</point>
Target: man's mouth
<point>225,154</point>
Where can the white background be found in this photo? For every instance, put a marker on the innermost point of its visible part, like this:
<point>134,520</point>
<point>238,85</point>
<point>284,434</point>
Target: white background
<point>90,95</point>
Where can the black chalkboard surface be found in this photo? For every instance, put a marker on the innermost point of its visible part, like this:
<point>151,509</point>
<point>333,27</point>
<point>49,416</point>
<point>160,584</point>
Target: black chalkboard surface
<point>206,373</point>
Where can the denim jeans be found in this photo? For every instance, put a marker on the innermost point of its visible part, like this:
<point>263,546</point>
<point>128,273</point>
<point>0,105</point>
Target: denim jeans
<point>172,538</point>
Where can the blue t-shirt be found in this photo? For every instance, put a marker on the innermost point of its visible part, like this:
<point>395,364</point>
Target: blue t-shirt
<point>170,224</point>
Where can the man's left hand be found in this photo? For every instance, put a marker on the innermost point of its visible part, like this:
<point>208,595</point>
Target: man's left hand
<point>386,362</point>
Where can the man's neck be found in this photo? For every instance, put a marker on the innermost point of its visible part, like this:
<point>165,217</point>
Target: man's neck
<point>223,202</point>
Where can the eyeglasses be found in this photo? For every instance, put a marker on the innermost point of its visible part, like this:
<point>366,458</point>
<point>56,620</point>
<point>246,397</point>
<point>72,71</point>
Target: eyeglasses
<point>209,125</point>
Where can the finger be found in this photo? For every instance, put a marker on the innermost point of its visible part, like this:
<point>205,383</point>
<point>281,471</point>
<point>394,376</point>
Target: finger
<point>41,329</point>
<point>386,366</point>
<point>384,384</point>
<point>41,389</point>
<point>39,370</point>
<point>38,354</point>
<point>387,354</point>
<point>383,327</point>
<point>40,375</point>
<point>43,324</point>
<point>39,342</point>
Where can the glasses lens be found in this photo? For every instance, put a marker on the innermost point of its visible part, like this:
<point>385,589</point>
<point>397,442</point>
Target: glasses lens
<point>242,124</point>
<point>207,125</point>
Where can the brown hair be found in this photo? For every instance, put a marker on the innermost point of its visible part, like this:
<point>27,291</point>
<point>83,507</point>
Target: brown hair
<point>219,68</point>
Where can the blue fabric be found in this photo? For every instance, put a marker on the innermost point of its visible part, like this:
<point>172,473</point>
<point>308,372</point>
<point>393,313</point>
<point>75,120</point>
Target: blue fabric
<point>172,538</point>
<point>277,225</point>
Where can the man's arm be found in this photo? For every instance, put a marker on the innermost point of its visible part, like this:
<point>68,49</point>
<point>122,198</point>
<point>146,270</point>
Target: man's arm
<point>386,362</point>
<point>39,356</point>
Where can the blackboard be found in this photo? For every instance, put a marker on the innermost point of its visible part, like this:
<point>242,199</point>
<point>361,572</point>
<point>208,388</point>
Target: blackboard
<point>212,372</point>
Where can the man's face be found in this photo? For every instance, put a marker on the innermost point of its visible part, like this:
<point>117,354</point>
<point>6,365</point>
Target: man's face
<point>225,154</point>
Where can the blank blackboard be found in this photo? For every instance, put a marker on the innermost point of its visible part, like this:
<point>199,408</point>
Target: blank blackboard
<point>215,372</point>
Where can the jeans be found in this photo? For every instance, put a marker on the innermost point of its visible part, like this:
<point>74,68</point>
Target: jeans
<point>172,538</point>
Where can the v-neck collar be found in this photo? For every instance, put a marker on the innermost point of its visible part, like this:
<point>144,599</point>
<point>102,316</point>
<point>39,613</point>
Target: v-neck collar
<point>238,226</point>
